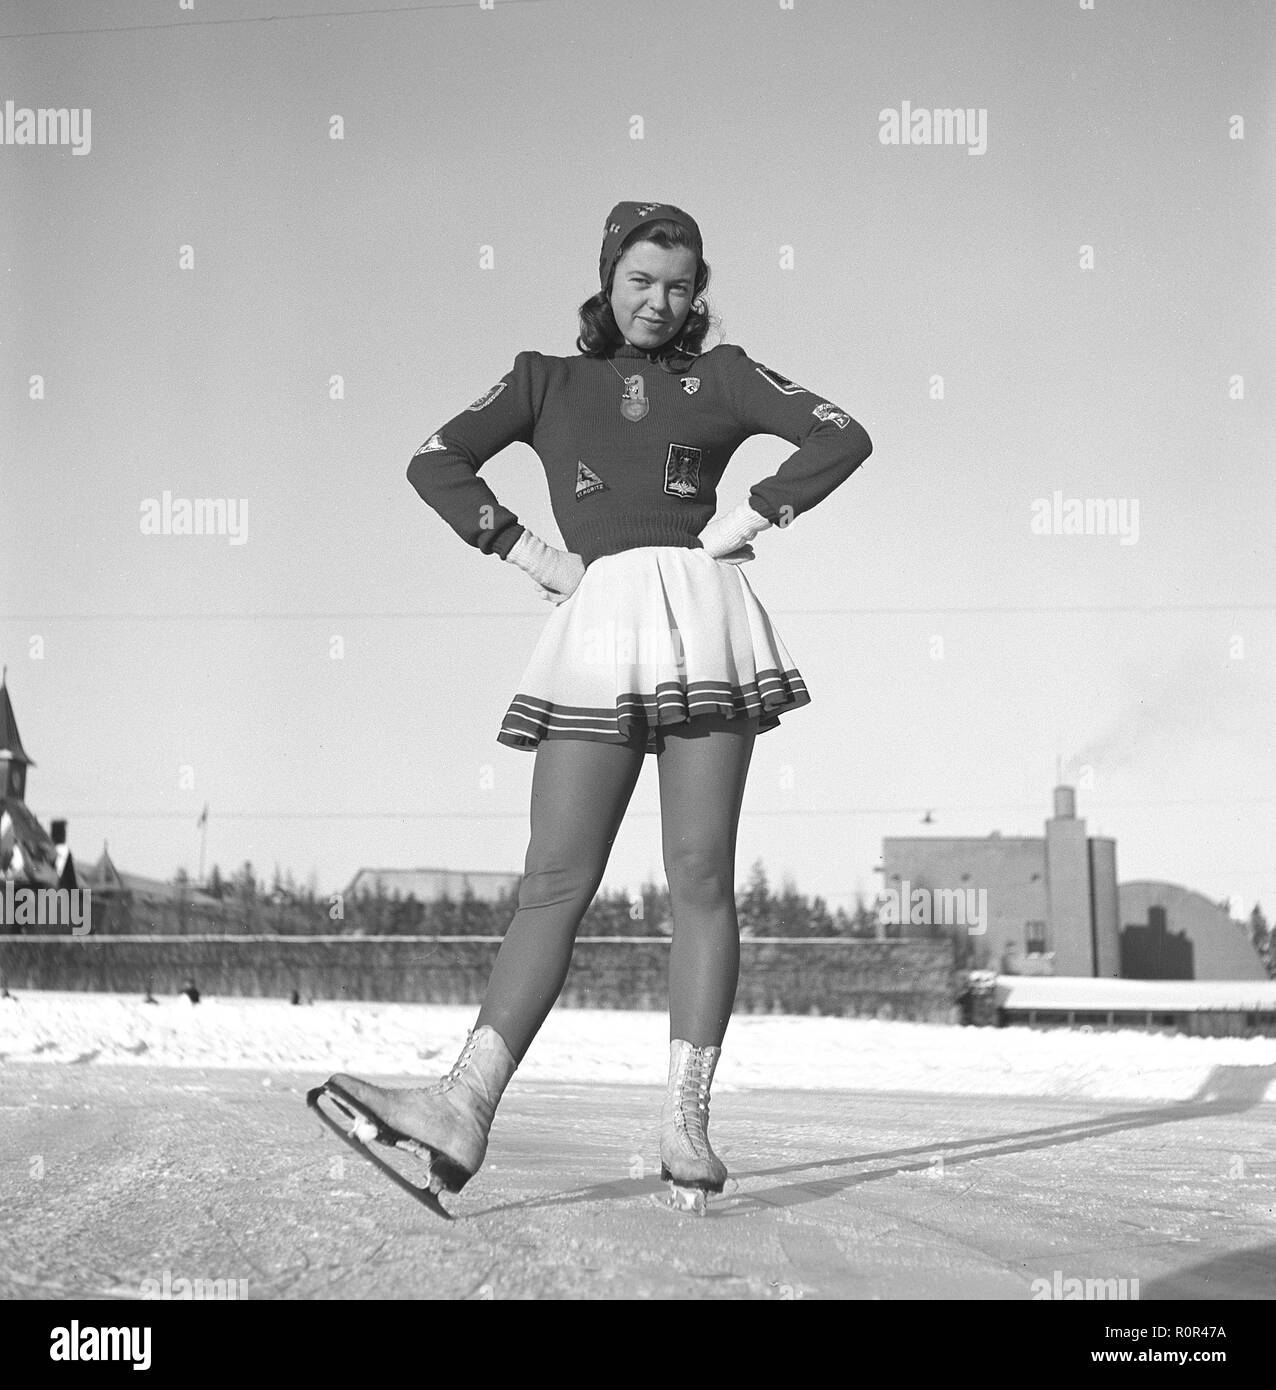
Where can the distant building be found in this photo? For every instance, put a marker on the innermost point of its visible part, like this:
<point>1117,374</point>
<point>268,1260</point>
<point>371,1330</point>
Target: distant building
<point>108,882</point>
<point>1054,906</point>
<point>28,853</point>
<point>1214,1008</point>
<point>1173,933</point>
<point>428,885</point>
<point>31,855</point>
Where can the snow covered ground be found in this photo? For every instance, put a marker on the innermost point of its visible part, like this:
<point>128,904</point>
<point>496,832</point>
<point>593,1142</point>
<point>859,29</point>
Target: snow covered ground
<point>1071,992</point>
<point>614,1046</point>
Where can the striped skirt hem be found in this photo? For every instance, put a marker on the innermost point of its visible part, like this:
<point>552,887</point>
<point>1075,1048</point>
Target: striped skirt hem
<point>529,720</point>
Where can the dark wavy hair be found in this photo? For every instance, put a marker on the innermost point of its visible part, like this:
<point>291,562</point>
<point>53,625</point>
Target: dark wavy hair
<point>598,330</point>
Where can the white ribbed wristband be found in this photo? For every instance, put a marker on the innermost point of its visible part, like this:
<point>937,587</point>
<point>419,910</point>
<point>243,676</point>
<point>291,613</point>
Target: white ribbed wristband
<point>732,530</point>
<point>555,569</point>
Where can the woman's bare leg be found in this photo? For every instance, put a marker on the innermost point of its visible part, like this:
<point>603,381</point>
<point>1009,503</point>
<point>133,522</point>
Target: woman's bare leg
<point>702,767</point>
<point>580,791</point>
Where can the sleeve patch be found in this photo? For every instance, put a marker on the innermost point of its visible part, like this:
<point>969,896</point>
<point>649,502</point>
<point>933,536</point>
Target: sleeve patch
<point>433,445</point>
<point>781,383</point>
<point>825,411</point>
<point>488,397</point>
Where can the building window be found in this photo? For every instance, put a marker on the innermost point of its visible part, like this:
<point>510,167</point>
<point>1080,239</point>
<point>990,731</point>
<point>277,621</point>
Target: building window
<point>1035,938</point>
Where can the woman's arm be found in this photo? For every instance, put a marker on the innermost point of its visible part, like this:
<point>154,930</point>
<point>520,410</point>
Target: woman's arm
<point>831,444</point>
<point>444,470</point>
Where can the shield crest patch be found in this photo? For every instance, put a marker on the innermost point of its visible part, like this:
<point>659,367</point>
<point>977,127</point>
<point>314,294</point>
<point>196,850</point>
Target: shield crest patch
<point>682,471</point>
<point>826,411</point>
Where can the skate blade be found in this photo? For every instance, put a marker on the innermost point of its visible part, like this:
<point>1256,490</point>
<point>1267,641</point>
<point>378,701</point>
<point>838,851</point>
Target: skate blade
<point>366,1129</point>
<point>446,1175</point>
<point>692,1201</point>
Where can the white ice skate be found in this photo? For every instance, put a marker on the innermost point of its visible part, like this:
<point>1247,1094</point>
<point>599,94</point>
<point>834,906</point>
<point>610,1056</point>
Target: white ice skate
<point>687,1163</point>
<point>444,1126</point>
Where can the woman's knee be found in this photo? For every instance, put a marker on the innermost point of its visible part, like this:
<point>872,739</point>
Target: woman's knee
<point>702,873</point>
<point>558,885</point>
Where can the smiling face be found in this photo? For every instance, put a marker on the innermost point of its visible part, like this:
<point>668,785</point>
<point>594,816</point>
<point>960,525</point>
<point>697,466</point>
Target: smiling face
<point>651,293</point>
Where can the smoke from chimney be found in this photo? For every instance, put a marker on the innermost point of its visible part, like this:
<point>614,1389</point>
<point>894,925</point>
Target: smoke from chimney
<point>1173,710</point>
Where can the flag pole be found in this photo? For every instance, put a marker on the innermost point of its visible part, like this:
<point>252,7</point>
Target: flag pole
<point>203,842</point>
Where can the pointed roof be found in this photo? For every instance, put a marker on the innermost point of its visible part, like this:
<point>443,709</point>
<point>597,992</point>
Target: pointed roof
<point>10,741</point>
<point>36,854</point>
<point>104,872</point>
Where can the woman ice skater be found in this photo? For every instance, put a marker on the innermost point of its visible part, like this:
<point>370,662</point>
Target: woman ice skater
<point>657,644</point>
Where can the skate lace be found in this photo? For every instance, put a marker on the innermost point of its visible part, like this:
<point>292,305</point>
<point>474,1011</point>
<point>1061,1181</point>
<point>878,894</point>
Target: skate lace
<point>692,1115</point>
<point>459,1065</point>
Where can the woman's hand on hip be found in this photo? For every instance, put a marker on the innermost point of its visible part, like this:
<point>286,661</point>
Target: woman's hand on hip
<point>740,556</point>
<point>556,573</point>
<point>729,535</point>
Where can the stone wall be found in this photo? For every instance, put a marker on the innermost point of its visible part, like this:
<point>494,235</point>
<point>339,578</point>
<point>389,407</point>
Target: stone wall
<point>906,979</point>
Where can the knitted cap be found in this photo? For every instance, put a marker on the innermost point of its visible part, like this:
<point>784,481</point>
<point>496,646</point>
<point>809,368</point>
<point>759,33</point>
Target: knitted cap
<point>625,217</point>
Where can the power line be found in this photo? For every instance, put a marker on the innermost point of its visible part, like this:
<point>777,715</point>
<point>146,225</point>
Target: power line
<point>883,610</point>
<point>264,19</point>
<point>829,811</point>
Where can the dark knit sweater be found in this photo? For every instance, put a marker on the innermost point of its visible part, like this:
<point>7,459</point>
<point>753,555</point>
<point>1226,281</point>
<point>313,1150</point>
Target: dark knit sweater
<point>617,483</point>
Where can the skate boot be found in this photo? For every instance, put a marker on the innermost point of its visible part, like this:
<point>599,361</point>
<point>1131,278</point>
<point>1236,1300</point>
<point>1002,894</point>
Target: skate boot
<point>687,1163</point>
<point>445,1125</point>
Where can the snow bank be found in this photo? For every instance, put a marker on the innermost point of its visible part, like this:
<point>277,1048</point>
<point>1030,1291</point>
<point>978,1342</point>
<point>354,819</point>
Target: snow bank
<point>613,1046</point>
<point>1159,996</point>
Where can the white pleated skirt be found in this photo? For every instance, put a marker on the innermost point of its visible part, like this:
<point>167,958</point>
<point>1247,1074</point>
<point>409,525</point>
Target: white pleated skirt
<point>653,636</point>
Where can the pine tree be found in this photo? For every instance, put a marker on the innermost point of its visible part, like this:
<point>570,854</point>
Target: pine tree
<point>1261,935</point>
<point>246,882</point>
<point>753,907</point>
<point>789,915</point>
<point>819,921</point>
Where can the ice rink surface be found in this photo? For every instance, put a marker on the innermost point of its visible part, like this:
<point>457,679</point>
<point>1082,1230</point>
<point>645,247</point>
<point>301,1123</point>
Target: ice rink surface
<point>113,1175</point>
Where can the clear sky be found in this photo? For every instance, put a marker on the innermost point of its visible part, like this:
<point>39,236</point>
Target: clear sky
<point>952,654</point>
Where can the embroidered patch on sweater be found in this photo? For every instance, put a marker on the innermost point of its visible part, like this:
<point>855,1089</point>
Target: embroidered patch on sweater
<point>682,470</point>
<point>691,384</point>
<point>488,396</point>
<point>781,383</point>
<point>433,445</point>
<point>587,481</point>
<point>825,411</point>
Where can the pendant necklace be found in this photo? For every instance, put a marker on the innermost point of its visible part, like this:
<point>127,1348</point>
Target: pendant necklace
<point>633,404</point>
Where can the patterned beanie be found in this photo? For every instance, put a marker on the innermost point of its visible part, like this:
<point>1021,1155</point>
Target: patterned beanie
<point>625,217</point>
